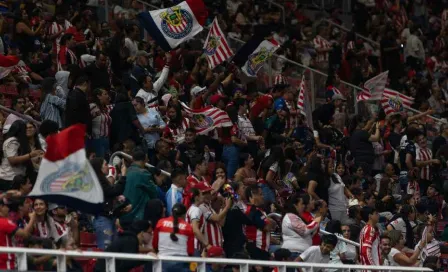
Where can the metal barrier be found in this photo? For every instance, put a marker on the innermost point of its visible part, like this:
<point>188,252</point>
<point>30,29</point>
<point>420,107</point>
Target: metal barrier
<point>157,262</point>
<point>356,34</point>
<point>23,116</point>
<point>129,157</point>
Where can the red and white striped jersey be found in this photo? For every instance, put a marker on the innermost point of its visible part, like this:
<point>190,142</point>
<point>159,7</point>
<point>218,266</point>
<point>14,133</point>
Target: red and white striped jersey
<point>22,71</point>
<point>321,43</point>
<point>7,229</point>
<point>163,244</point>
<point>401,20</point>
<point>65,57</point>
<point>369,241</point>
<point>422,155</point>
<point>260,237</point>
<point>212,230</point>
<point>177,134</point>
<point>280,80</point>
<point>55,28</point>
<point>196,213</point>
<point>101,121</point>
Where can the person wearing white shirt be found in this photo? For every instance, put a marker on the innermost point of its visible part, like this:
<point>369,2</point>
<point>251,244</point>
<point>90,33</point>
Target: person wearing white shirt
<point>151,89</point>
<point>130,42</point>
<point>414,51</point>
<point>318,254</point>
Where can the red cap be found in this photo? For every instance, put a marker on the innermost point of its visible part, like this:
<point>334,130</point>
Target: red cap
<point>214,99</point>
<point>215,251</point>
<point>203,187</point>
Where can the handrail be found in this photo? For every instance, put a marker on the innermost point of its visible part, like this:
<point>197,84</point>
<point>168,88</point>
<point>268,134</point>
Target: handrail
<point>23,116</point>
<point>61,256</point>
<point>127,156</point>
<point>280,7</point>
<point>348,241</point>
<point>348,30</point>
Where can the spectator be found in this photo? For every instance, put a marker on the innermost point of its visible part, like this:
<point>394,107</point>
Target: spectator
<point>52,106</point>
<point>98,72</point>
<point>195,217</point>
<point>65,55</point>
<point>396,257</point>
<point>385,249</point>
<point>321,253</point>
<point>131,43</point>
<point>176,192</point>
<point>77,109</point>
<point>351,255</point>
<point>18,105</point>
<point>369,238</point>
<point>101,122</point>
<point>139,177</point>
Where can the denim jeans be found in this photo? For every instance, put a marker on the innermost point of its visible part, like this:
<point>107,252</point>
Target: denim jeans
<point>175,267</point>
<point>100,146</point>
<point>268,193</point>
<point>104,230</point>
<point>230,157</point>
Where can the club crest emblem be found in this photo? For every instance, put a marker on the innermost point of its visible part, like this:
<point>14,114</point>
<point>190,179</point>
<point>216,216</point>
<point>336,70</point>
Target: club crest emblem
<point>395,103</point>
<point>256,60</point>
<point>212,44</point>
<point>71,177</point>
<point>202,121</point>
<point>176,23</point>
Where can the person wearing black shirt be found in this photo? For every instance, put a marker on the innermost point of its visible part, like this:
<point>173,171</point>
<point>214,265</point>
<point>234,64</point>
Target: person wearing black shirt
<point>361,142</point>
<point>189,149</point>
<point>440,140</point>
<point>408,157</point>
<point>77,109</point>
<point>98,73</point>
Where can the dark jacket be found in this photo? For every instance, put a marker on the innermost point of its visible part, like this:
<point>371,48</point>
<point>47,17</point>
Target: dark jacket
<point>110,193</point>
<point>77,109</point>
<point>122,127</point>
<point>126,242</point>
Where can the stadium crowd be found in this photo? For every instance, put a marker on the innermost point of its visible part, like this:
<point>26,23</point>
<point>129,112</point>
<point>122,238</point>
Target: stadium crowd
<point>261,189</point>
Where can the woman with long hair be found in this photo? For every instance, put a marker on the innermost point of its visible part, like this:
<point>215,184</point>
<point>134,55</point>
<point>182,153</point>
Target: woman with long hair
<point>403,222</point>
<point>101,122</point>
<point>34,144</point>
<point>297,232</point>
<point>174,132</point>
<point>398,258</point>
<point>246,173</point>
<point>173,236</point>
<point>23,34</point>
<point>16,155</point>
<point>318,182</point>
<point>52,106</point>
<point>42,228</point>
<point>338,195</point>
<point>104,222</point>
<point>272,168</point>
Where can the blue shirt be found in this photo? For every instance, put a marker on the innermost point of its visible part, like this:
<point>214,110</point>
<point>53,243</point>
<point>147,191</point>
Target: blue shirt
<point>173,196</point>
<point>151,118</point>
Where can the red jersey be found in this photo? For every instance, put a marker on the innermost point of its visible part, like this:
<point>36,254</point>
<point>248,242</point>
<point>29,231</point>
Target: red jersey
<point>77,35</point>
<point>255,233</point>
<point>369,240</point>
<point>163,244</point>
<point>65,57</point>
<point>7,230</point>
<point>212,230</point>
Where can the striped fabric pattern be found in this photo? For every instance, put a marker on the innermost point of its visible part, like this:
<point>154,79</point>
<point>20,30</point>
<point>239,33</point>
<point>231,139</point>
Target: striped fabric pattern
<point>216,47</point>
<point>207,119</point>
<point>280,80</point>
<point>301,98</point>
<point>393,101</point>
<point>373,88</point>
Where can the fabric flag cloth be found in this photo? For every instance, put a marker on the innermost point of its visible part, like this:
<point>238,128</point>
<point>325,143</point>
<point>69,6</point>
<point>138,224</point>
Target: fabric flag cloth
<point>65,175</point>
<point>207,119</point>
<point>301,98</point>
<point>254,54</point>
<point>216,48</point>
<point>393,101</point>
<point>7,64</point>
<point>172,26</point>
<point>373,88</point>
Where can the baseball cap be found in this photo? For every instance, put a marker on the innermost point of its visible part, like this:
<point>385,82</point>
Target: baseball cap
<point>53,206</point>
<point>142,53</point>
<point>338,96</point>
<point>197,90</point>
<point>203,187</point>
<point>215,251</point>
<point>214,99</point>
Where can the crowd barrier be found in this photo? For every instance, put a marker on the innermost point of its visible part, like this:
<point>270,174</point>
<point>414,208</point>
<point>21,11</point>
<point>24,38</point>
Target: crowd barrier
<point>157,261</point>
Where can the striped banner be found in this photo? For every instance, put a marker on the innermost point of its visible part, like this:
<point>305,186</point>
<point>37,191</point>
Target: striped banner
<point>207,119</point>
<point>216,48</point>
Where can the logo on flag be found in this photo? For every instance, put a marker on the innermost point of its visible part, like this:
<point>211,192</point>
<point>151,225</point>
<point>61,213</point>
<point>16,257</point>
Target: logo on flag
<point>212,44</point>
<point>176,22</point>
<point>395,104</point>
<point>72,177</point>
<point>201,121</point>
<point>256,60</point>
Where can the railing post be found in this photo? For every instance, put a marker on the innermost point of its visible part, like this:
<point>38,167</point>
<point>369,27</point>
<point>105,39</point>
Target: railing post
<point>201,267</point>
<point>61,262</point>
<point>157,265</point>
<point>22,264</point>
<point>244,268</point>
<point>110,265</point>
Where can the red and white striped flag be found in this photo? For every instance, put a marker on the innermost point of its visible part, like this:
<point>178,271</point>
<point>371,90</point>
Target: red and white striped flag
<point>393,101</point>
<point>301,98</point>
<point>207,119</point>
<point>66,176</point>
<point>373,88</point>
<point>216,47</point>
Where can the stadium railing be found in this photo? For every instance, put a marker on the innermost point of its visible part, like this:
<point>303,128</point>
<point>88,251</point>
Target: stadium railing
<point>157,261</point>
